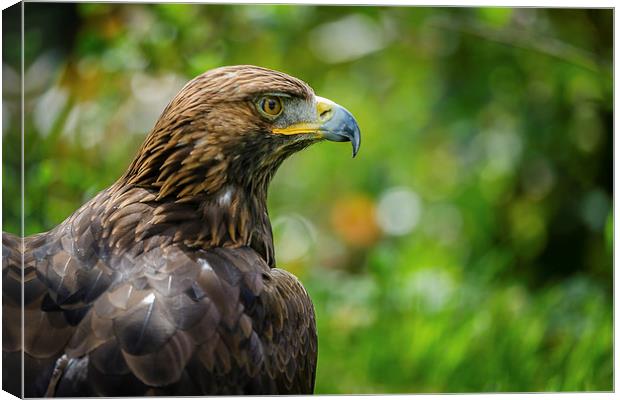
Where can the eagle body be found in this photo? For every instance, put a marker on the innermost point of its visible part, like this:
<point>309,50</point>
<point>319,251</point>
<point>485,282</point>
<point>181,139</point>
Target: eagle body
<point>166,282</point>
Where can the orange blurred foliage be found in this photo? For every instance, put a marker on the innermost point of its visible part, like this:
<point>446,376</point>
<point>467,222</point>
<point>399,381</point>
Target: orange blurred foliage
<point>353,218</point>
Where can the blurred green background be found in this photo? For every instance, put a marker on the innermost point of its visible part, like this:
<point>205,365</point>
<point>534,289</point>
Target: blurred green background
<point>469,245</point>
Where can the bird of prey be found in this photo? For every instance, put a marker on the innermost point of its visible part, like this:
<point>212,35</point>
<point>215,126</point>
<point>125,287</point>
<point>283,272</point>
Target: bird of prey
<point>166,283</point>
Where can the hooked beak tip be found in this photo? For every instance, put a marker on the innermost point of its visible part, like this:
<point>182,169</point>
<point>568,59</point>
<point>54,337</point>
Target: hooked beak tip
<point>342,127</point>
<point>355,142</point>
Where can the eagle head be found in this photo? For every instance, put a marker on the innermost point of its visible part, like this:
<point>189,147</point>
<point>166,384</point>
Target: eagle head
<point>234,126</point>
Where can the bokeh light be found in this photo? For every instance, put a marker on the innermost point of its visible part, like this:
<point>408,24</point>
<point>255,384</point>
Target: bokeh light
<point>399,211</point>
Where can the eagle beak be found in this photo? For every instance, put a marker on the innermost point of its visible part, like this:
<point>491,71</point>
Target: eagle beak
<point>334,123</point>
<point>338,124</point>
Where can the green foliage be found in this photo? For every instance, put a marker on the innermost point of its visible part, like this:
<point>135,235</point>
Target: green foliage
<point>469,245</point>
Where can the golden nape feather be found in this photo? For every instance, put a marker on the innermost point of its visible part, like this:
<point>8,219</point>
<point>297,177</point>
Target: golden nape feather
<point>166,283</point>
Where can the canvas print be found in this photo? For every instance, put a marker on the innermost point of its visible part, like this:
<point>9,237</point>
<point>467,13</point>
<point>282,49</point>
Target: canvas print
<point>225,199</point>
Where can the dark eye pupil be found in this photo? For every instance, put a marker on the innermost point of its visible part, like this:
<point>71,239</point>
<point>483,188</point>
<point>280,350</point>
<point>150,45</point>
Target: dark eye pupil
<point>271,105</point>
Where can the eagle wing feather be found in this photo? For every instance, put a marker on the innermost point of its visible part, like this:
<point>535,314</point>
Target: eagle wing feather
<point>217,321</point>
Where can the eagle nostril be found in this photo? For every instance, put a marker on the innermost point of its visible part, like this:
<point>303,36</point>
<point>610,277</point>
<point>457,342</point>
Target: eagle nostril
<point>326,115</point>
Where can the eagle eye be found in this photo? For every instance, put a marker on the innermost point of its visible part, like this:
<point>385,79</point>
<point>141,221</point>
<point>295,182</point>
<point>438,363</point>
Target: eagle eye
<point>270,106</point>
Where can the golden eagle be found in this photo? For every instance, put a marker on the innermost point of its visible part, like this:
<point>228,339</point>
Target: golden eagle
<point>166,283</point>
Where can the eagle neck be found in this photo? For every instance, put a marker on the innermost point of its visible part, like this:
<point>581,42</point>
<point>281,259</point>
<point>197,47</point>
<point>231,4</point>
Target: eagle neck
<point>222,197</point>
<point>235,216</point>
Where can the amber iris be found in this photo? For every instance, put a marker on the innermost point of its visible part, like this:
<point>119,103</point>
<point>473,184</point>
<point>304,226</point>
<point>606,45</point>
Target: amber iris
<point>270,106</point>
